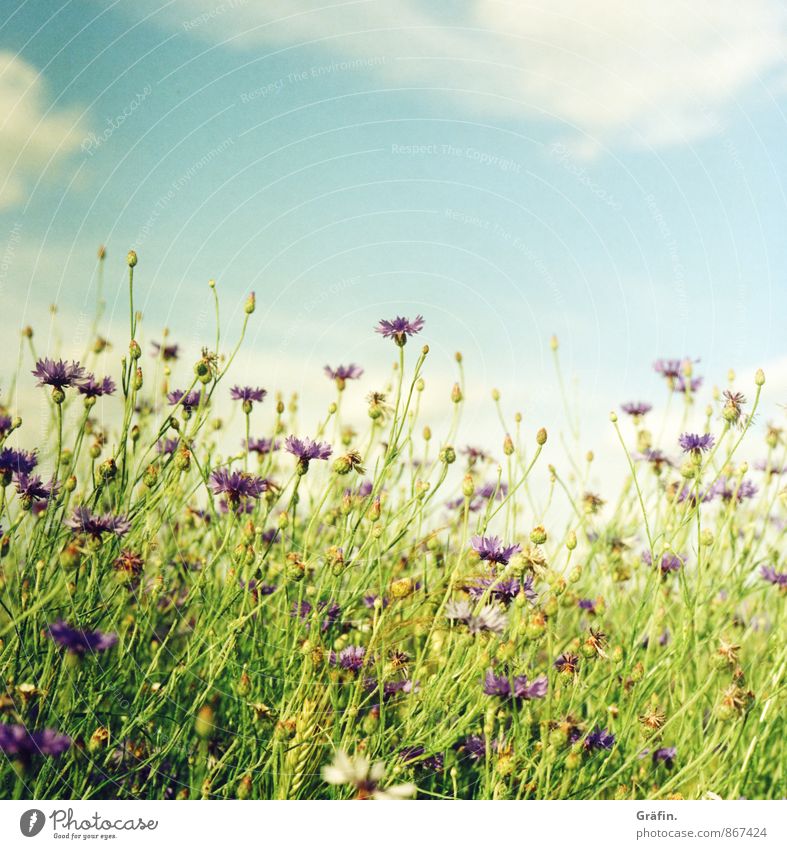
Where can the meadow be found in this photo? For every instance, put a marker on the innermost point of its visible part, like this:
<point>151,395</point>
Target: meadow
<point>324,611</point>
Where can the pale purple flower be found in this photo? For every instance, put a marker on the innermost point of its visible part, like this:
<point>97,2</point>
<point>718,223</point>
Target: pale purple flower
<point>17,742</point>
<point>78,641</point>
<point>341,374</point>
<point>262,446</point>
<point>83,521</point>
<point>31,488</point>
<point>489,618</point>
<point>696,443</point>
<point>188,400</point>
<point>400,328</point>
<point>167,352</point>
<point>92,388</point>
<point>493,550</point>
<point>58,374</point>
<point>636,409</point>
<point>778,579</point>
<point>236,485</point>
<point>248,394</point>
<point>352,658</point>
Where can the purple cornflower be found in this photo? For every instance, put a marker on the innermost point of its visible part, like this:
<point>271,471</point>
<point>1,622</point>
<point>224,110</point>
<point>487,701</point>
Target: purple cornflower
<point>306,450</point>
<point>351,658</point>
<point>492,488</point>
<point>670,369</point>
<point>665,756</point>
<point>262,446</point>
<point>188,400</point>
<point>59,375</point>
<point>599,738</point>
<point>729,490</point>
<point>695,443</point>
<point>78,641</point>
<point>636,409</point>
<point>330,609</point>
<point>31,489</point>
<point>504,591</point>
<point>670,562</point>
<point>5,424</point>
<point>413,754</point>
<point>167,352</point>
<point>14,462</point>
<point>475,455</point>
<point>249,395</point>
<point>778,579</point>
<point>16,741</point>
<point>522,689</point>
<point>587,604</point>
<point>341,374</point>
<point>687,384</point>
<point>474,746</point>
<point>167,446</point>
<point>493,550</point>
<point>236,485</point>
<point>400,328</point>
<point>92,388</point>
<point>527,690</point>
<point>83,521</point>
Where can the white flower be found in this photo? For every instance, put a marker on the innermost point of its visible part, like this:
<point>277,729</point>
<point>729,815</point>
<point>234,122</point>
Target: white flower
<point>365,777</point>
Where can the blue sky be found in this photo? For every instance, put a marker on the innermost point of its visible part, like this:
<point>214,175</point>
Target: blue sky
<point>612,173</point>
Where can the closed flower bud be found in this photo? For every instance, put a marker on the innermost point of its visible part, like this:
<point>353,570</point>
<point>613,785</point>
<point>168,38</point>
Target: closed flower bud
<point>70,483</point>
<point>203,723</point>
<point>541,436</point>
<point>427,433</point>
<point>456,393</point>
<point>759,377</point>
<point>553,344</point>
<point>538,536</point>
<point>131,258</point>
<point>151,476</point>
<point>707,538</point>
<point>244,787</point>
<point>448,455</point>
<point>183,459</point>
<point>134,351</point>
<point>107,470</point>
<point>251,304</point>
<point>571,541</point>
<point>243,687</point>
<point>402,588</point>
<point>135,433</point>
<point>468,486</point>
<point>508,446</point>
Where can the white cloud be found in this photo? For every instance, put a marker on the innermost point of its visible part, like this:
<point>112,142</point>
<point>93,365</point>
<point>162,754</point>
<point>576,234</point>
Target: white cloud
<point>657,72</point>
<point>33,136</point>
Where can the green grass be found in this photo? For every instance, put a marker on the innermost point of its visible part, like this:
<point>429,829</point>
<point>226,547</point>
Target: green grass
<point>216,691</point>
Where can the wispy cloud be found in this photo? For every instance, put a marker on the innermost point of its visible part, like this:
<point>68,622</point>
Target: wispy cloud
<point>601,72</point>
<point>34,136</point>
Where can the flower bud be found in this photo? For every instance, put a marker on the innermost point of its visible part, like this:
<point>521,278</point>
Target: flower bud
<point>131,258</point>
<point>571,541</point>
<point>456,393</point>
<point>541,436</point>
<point>759,377</point>
<point>251,304</point>
<point>448,455</point>
<point>538,536</point>
<point>508,446</point>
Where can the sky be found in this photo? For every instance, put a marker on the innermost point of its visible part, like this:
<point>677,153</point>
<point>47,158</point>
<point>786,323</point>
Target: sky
<point>609,172</point>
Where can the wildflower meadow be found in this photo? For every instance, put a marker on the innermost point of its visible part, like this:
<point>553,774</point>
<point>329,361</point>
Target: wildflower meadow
<point>325,611</point>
